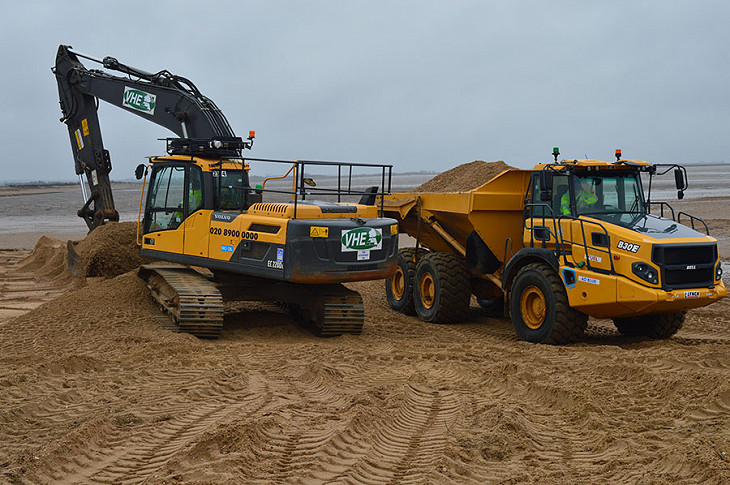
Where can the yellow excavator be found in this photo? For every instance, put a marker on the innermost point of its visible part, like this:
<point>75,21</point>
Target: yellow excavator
<point>200,210</point>
<point>554,245</point>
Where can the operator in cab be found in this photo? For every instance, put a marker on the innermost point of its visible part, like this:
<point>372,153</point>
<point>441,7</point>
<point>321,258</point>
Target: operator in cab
<point>585,198</point>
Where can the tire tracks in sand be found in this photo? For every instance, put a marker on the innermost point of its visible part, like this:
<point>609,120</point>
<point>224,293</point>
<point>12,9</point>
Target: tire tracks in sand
<point>135,457</point>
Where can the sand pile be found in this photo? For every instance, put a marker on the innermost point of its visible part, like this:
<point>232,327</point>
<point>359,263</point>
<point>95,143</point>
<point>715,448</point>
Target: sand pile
<point>465,177</point>
<point>49,261</point>
<point>110,250</point>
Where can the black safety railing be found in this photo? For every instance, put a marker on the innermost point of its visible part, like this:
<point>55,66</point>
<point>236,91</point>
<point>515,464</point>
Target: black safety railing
<point>692,220</point>
<point>661,205</point>
<point>678,217</point>
<point>546,234</point>
<point>342,187</point>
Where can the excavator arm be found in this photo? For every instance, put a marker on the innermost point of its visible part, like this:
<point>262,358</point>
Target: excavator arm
<point>162,98</point>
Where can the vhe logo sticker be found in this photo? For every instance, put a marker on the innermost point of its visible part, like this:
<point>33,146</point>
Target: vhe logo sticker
<point>139,100</point>
<point>361,239</point>
<point>632,248</point>
<point>691,294</point>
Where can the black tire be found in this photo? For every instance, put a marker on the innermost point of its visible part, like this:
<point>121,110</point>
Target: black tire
<point>538,292</point>
<point>399,287</point>
<point>658,327</point>
<point>441,288</point>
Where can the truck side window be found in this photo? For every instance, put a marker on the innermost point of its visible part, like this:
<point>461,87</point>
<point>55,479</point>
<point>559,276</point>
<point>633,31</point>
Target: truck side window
<point>560,187</point>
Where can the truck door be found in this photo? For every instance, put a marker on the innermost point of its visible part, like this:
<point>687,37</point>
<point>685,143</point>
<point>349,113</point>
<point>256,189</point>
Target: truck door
<point>542,223</point>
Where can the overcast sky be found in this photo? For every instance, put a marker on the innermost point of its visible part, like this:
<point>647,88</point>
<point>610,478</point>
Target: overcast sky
<point>422,85</point>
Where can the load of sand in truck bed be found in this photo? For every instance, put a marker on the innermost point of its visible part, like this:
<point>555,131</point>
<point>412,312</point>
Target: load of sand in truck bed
<point>465,177</point>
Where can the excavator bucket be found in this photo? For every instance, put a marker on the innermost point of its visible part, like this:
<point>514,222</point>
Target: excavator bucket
<point>74,260</point>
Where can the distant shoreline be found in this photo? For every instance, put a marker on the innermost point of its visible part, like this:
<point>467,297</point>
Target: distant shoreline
<point>60,184</point>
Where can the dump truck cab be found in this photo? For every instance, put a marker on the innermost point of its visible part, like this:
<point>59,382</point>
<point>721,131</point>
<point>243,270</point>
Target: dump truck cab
<point>616,258</point>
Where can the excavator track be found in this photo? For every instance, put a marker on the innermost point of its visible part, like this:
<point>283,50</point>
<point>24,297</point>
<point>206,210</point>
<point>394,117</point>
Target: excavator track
<point>338,311</point>
<point>193,302</point>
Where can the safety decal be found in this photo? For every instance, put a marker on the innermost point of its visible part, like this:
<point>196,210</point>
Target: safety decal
<point>79,139</point>
<point>317,231</point>
<point>280,254</point>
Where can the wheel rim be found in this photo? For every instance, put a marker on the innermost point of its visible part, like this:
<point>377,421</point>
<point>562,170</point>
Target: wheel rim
<point>427,290</point>
<point>533,307</point>
<point>398,284</point>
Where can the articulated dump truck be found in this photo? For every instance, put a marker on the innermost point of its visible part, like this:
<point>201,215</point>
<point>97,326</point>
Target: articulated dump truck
<point>552,246</point>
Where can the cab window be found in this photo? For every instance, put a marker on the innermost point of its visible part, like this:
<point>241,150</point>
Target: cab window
<point>228,189</point>
<point>552,207</point>
<point>175,192</point>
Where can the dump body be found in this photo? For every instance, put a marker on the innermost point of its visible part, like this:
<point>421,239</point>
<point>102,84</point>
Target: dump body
<point>494,211</point>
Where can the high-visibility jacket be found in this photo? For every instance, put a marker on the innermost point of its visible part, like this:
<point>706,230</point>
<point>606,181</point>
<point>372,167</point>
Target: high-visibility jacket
<point>196,197</point>
<point>583,199</point>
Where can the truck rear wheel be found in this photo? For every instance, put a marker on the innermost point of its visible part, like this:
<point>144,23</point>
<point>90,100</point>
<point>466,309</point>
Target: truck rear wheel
<point>653,326</point>
<point>441,288</point>
<point>540,310</point>
<point>399,287</point>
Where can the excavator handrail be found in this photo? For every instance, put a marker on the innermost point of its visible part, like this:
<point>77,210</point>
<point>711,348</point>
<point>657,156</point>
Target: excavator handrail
<point>299,192</point>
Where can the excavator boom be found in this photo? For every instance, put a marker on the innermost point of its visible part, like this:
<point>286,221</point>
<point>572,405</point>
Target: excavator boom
<point>163,98</point>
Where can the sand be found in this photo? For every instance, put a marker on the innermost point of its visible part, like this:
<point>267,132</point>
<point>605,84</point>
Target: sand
<point>94,390</point>
<point>464,177</point>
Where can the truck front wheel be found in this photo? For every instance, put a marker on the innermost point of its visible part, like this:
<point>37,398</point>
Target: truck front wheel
<point>653,326</point>
<point>441,288</point>
<point>539,307</point>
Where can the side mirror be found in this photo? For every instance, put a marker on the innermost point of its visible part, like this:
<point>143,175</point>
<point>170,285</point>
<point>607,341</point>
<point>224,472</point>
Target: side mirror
<point>680,182</point>
<point>139,171</point>
<point>679,178</point>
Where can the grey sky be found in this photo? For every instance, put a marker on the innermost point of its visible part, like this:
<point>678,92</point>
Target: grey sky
<point>422,85</point>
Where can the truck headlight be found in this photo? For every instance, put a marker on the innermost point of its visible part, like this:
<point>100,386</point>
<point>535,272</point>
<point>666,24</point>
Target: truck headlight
<point>645,272</point>
<point>718,273</point>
